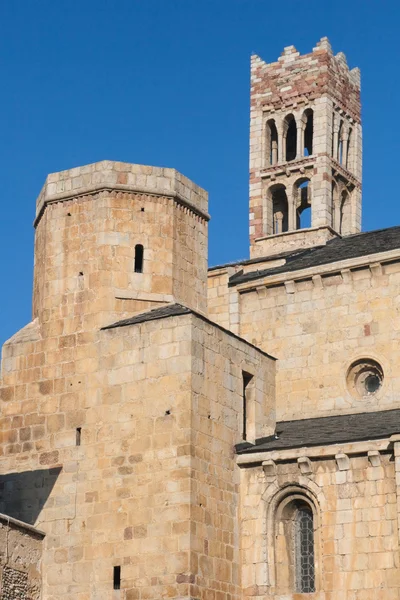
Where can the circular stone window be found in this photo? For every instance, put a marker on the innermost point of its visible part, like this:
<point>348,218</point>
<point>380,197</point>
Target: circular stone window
<point>365,378</point>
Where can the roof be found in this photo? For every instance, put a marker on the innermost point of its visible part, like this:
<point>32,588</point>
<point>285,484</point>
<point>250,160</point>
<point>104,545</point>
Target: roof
<point>174,310</point>
<point>20,524</point>
<point>337,249</point>
<point>171,310</point>
<point>328,430</point>
<point>252,261</point>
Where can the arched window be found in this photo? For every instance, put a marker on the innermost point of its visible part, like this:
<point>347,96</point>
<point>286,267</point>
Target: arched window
<point>139,258</point>
<point>280,210</point>
<point>308,131</point>
<point>340,143</point>
<point>349,156</point>
<point>344,213</point>
<point>304,550</point>
<point>295,546</point>
<point>302,199</point>
<point>271,142</point>
<point>334,207</point>
<point>290,135</point>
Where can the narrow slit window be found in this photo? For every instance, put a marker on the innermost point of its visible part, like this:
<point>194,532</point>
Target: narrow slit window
<point>139,258</point>
<point>78,436</point>
<point>246,380</point>
<point>117,578</point>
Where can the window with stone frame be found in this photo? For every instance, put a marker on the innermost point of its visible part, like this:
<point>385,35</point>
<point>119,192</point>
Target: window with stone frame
<point>295,546</point>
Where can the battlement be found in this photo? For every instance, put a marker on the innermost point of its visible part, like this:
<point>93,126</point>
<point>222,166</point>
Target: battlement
<point>296,79</point>
<point>121,176</point>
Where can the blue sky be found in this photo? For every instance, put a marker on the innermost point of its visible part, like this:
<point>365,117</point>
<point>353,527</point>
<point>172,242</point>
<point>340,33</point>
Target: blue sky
<point>166,82</point>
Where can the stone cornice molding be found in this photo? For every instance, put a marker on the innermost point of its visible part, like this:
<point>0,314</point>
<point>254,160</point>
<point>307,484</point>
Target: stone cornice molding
<point>324,269</point>
<point>109,176</point>
<point>320,452</point>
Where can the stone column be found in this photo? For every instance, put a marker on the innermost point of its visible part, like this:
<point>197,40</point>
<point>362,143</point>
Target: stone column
<point>274,153</point>
<point>345,138</point>
<point>335,139</point>
<point>291,200</point>
<point>281,144</point>
<point>300,139</point>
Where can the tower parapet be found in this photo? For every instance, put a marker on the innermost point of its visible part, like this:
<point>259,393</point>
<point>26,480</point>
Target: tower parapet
<point>305,149</point>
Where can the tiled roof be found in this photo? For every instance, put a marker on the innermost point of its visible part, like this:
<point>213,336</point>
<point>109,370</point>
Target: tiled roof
<point>174,310</point>
<point>328,430</point>
<point>338,249</point>
<point>171,310</point>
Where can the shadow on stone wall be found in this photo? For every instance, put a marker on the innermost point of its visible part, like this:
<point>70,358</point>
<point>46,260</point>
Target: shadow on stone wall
<point>23,495</point>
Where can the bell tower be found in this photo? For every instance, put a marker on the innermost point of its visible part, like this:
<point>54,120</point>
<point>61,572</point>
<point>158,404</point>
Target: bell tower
<point>305,150</point>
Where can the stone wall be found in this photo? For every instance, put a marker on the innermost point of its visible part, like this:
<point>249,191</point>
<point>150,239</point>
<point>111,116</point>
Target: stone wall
<point>20,560</point>
<point>149,483</point>
<point>353,497</point>
<point>318,326</point>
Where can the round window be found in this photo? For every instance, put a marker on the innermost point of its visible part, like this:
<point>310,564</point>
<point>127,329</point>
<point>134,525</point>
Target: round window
<point>365,378</point>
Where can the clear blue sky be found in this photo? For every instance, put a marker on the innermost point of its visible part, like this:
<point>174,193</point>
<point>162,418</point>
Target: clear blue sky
<point>166,82</point>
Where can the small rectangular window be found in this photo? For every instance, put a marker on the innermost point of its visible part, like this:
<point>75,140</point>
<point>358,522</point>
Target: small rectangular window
<point>117,578</point>
<point>139,252</point>
<point>78,435</point>
<point>246,380</point>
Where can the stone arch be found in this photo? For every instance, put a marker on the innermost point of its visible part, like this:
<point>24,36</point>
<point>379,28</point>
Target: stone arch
<point>275,498</point>
<point>290,137</point>
<point>276,213</point>
<point>271,142</point>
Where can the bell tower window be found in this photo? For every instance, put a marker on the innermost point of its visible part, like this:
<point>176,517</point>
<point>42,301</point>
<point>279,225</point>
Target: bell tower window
<point>290,134</point>
<point>271,142</point>
<point>280,210</point>
<point>308,132</point>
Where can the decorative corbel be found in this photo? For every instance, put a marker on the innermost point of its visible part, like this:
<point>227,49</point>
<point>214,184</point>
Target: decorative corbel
<point>305,465</point>
<point>374,458</point>
<point>269,468</point>
<point>343,462</point>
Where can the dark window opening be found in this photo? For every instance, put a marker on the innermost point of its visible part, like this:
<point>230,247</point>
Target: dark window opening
<point>78,435</point>
<point>139,258</point>
<point>117,578</point>
<point>348,152</point>
<point>308,133</point>
<point>246,380</point>
<point>339,157</point>
<point>280,211</point>
<point>291,138</point>
<point>272,142</point>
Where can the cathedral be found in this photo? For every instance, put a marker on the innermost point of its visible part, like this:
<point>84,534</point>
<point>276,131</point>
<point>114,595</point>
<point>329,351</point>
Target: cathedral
<point>174,431</point>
